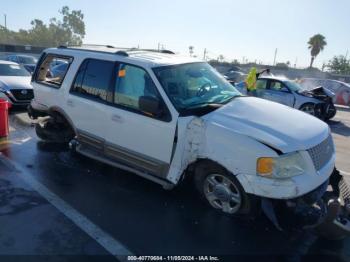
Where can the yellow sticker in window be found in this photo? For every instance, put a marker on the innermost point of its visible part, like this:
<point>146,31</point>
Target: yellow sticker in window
<point>121,73</point>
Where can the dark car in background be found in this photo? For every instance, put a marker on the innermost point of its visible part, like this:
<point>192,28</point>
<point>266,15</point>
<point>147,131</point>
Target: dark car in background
<point>58,70</point>
<point>30,68</point>
<point>27,61</point>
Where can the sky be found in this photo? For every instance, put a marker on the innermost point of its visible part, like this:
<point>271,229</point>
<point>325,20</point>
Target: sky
<point>250,29</point>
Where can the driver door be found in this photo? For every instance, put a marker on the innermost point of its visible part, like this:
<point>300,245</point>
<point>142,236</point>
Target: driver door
<point>136,138</point>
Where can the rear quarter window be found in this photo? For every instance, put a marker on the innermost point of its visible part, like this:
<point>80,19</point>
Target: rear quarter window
<point>46,72</point>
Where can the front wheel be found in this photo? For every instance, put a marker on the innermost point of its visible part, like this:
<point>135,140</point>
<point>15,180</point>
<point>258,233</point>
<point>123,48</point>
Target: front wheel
<point>330,111</point>
<point>221,190</point>
<point>308,108</point>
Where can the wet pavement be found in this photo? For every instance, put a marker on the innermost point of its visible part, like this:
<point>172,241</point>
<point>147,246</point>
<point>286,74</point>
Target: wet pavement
<point>139,214</point>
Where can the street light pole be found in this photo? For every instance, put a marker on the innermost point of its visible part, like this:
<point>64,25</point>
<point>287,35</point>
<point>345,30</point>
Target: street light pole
<point>274,58</point>
<point>5,22</point>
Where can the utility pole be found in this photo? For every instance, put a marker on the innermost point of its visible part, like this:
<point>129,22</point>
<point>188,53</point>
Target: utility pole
<point>274,58</point>
<point>5,21</point>
<point>295,63</point>
<point>346,54</point>
<point>205,54</point>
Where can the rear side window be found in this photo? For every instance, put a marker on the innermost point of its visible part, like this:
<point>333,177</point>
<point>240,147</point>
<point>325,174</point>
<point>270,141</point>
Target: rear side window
<point>94,80</point>
<point>47,74</point>
<point>261,84</point>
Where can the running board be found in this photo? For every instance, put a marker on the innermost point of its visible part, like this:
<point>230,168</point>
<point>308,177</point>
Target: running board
<point>92,154</point>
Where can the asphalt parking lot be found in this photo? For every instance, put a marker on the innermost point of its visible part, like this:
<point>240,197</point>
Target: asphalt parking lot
<point>55,203</point>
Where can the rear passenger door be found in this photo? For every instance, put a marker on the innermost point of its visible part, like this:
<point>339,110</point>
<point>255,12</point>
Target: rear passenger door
<point>136,138</point>
<point>89,96</point>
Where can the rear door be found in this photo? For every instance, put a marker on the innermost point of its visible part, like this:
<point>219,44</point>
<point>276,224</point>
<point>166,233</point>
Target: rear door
<point>261,88</point>
<point>89,96</point>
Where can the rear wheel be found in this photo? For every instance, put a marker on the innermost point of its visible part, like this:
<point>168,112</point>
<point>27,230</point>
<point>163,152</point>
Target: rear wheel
<point>330,111</point>
<point>221,190</point>
<point>54,129</point>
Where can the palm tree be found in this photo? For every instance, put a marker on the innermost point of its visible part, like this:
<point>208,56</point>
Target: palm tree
<point>316,44</point>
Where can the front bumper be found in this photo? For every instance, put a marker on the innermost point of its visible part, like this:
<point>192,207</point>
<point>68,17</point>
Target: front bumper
<point>288,188</point>
<point>13,100</point>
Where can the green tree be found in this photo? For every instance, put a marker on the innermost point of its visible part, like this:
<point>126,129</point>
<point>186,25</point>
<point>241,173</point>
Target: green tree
<point>68,31</point>
<point>339,65</point>
<point>316,45</point>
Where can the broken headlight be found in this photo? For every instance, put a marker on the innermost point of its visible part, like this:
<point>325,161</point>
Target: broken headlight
<point>284,166</point>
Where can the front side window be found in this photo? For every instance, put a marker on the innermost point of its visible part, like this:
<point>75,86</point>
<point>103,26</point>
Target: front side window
<point>132,84</point>
<point>46,76</point>
<point>194,85</point>
<point>13,70</point>
<point>93,80</point>
<point>276,85</point>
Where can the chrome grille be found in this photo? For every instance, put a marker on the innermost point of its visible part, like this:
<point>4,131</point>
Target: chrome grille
<point>322,153</point>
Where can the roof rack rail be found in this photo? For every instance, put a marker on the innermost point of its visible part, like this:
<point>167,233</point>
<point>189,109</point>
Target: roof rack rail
<point>122,53</point>
<point>87,45</point>
<point>164,51</point>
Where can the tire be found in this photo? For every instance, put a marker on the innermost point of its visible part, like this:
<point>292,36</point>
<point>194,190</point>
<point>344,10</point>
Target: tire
<point>308,108</point>
<point>51,131</point>
<point>222,191</point>
<point>331,111</point>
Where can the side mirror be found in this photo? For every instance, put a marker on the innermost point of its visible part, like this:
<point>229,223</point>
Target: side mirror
<point>150,105</point>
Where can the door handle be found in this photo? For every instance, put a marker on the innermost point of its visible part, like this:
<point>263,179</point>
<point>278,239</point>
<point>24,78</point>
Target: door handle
<point>117,118</point>
<point>70,103</point>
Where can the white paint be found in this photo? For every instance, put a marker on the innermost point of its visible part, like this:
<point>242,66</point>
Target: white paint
<point>113,246</point>
<point>277,125</point>
<point>234,136</point>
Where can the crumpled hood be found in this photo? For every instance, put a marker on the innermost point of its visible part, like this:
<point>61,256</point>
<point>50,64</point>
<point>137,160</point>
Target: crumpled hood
<point>15,82</point>
<point>315,92</point>
<point>276,125</point>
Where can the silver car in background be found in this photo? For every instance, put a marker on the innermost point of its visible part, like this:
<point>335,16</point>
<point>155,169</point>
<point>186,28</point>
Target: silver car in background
<point>15,84</point>
<point>317,101</point>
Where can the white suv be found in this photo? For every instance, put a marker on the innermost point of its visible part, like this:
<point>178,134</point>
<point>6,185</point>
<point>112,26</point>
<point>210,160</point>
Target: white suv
<point>164,117</point>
